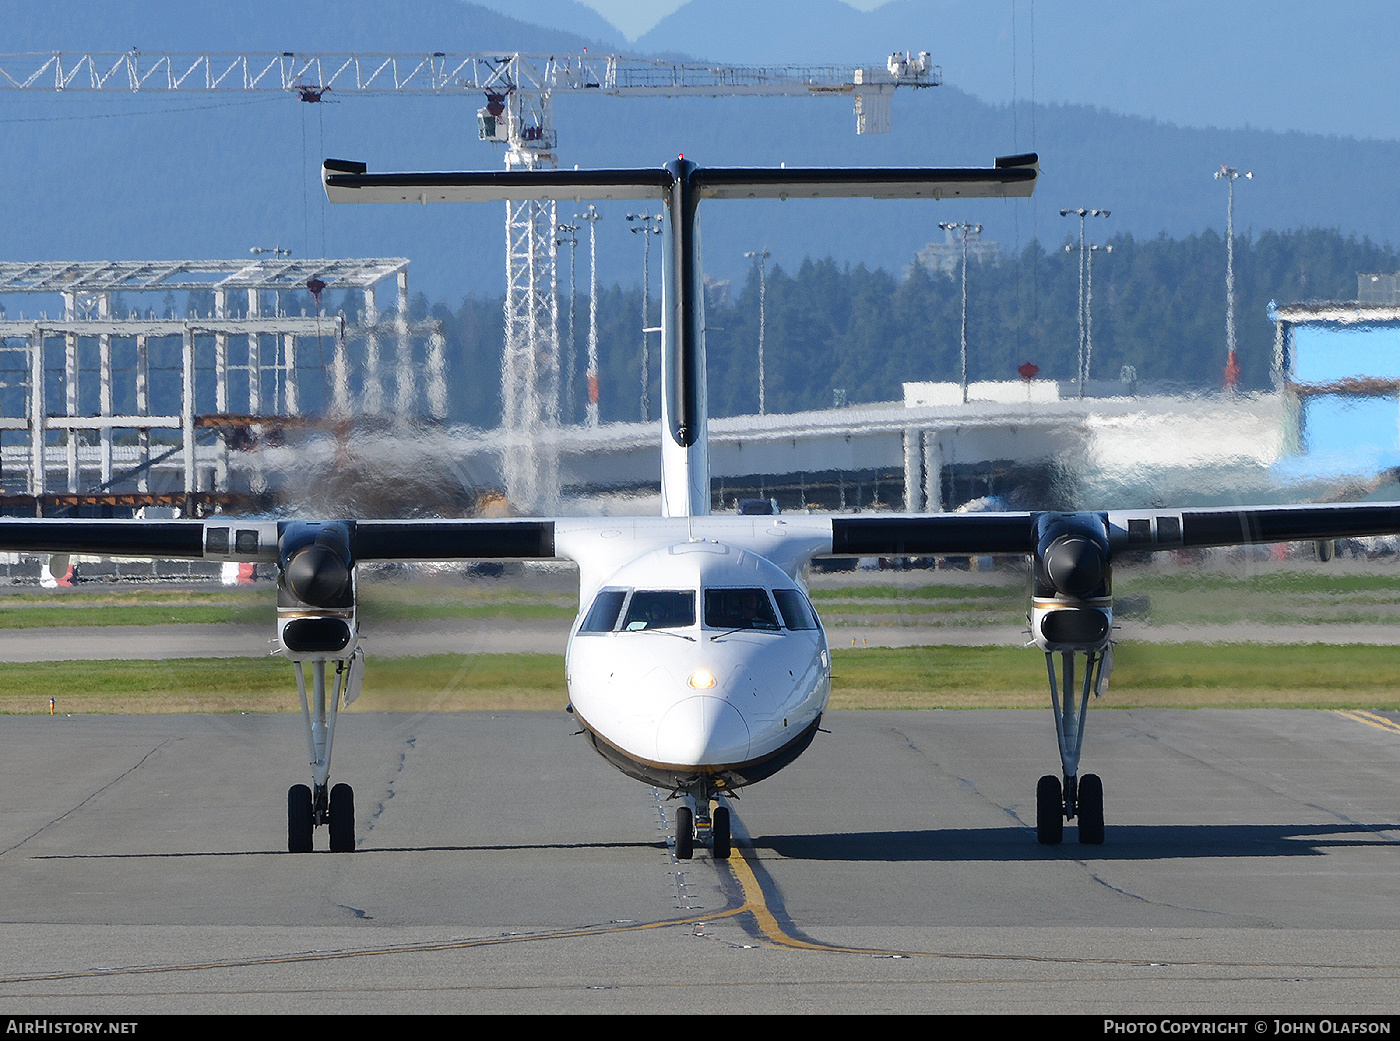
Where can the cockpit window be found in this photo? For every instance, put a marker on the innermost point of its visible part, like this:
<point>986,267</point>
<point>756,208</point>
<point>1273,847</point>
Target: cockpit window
<point>660,609</point>
<point>739,609</point>
<point>602,616</point>
<point>797,613</point>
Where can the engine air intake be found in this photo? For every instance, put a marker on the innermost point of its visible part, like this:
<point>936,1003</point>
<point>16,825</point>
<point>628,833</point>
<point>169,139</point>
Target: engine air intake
<point>316,635</point>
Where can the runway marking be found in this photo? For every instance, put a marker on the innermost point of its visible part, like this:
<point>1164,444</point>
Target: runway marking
<point>1371,719</point>
<point>772,930</point>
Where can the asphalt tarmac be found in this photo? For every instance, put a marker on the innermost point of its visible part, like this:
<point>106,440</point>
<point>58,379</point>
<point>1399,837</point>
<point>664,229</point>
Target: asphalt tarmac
<point>1252,866</point>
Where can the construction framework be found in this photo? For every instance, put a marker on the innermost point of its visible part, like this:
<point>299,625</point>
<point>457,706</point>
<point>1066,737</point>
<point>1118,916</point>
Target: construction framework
<point>518,89</point>
<point>256,371</point>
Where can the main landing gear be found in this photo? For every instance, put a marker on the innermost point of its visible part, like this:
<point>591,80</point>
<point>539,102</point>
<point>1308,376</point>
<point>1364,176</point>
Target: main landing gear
<point>703,825</point>
<point>309,807</point>
<point>1057,801</point>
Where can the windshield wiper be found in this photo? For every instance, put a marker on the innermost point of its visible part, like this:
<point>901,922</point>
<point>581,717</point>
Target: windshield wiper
<point>747,629</point>
<point>663,632</point>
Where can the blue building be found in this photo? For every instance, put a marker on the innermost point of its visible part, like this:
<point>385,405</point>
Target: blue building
<point>1339,365</point>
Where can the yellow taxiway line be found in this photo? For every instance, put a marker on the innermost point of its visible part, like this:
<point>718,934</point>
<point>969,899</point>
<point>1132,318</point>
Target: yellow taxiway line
<point>1371,719</point>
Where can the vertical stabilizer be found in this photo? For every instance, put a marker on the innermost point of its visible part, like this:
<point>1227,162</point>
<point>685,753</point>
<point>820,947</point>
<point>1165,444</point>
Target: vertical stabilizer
<point>685,460</point>
<point>685,454</point>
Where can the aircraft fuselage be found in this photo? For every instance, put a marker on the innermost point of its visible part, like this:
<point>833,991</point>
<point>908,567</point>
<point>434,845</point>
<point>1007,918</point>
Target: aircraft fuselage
<point>700,665</point>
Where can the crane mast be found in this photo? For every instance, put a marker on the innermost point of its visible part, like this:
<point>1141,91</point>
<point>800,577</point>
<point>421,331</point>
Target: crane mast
<point>518,89</point>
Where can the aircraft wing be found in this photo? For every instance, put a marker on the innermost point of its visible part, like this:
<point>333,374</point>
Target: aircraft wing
<point>1187,529</point>
<point>1132,530</point>
<point>1015,175</point>
<point>869,535</point>
<point>159,540</point>
<point>864,535</point>
<point>221,538</point>
<point>453,540</point>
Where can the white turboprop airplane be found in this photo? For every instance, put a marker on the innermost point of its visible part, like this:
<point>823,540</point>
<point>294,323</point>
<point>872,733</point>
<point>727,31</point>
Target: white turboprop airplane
<point>697,663</point>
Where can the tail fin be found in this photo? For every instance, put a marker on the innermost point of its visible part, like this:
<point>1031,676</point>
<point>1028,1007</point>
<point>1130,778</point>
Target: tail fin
<point>685,461</point>
<point>685,443</point>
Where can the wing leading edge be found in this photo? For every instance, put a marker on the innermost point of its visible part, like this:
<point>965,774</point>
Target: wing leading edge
<point>851,535</point>
<point>233,539</point>
<point>1130,530</point>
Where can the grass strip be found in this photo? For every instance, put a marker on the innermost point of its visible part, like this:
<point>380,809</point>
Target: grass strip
<point>441,682</point>
<point>154,614</point>
<point>1200,675</point>
<point>1145,676</point>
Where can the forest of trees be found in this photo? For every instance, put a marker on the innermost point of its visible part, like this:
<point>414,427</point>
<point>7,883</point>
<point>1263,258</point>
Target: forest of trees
<point>1158,306</point>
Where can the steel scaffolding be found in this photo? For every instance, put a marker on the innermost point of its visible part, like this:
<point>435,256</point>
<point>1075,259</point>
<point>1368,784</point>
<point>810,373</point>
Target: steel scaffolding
<point>518,89</point>
<point>252,356</point>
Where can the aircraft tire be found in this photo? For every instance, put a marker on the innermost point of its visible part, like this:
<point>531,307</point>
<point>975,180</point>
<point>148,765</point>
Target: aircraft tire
<point>1091,810</point>
<point>1049,811</point>
<point>685,833</point>
<point>342,819</point>
<point>299,825</point>
<point>719,833</point>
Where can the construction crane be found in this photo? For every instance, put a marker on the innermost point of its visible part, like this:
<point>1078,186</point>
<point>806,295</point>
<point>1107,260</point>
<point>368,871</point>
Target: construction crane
<point>518,89</point>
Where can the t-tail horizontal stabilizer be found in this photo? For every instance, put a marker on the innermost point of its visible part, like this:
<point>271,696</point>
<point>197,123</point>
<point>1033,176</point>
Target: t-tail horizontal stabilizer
<point>1012,177</point>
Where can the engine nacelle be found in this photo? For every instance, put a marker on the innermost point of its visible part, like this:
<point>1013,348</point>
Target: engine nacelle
<point>316,591</point>
<point>1071,583</point>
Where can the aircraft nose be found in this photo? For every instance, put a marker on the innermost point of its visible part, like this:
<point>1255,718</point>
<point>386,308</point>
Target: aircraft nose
<point>702,730</point>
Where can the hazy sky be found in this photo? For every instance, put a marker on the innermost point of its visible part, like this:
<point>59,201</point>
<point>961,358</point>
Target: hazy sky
<point>635,17</point>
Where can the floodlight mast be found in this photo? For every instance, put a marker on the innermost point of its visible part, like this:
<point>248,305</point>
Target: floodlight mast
<point>963,229</point>
<point>650,224</point>
<point>762,256</point>
<point>592,216</point>
<point>1084,333</point>
<point>1230,175</point>
<point>519,89</point>
<point>568,233</point>
<point>1087,269</point>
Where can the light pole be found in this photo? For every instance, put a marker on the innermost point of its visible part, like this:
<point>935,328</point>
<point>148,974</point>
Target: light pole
<point>651,225</point>
<point>1089,303</point>
<point>569,234</point>
<point>762,257</point>
<point>1230,175</point>
<point>1082,213</point>
<point>592,216</point>
<point>963,229</point>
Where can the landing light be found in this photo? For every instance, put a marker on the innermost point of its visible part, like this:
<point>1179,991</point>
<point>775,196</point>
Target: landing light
<point>702,679</point>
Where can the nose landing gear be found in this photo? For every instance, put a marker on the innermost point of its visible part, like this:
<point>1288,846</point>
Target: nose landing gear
<point>702,825</point>
<point>685,833</point>
<point>719,833</point>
